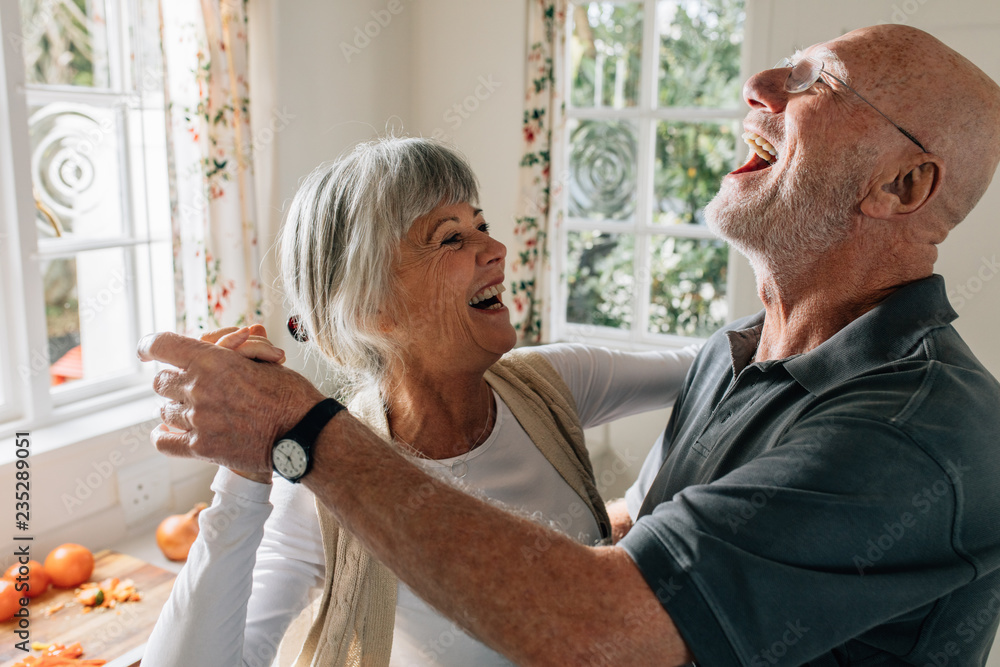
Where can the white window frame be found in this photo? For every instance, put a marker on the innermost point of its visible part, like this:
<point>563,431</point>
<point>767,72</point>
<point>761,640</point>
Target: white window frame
<point>646,114</point>
<point>27,400</point>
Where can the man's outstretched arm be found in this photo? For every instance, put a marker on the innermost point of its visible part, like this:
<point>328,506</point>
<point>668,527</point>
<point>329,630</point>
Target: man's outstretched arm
<point>529,591</point>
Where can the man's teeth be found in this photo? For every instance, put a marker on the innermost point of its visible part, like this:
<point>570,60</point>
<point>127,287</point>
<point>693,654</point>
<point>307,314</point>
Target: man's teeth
<point>488,293</point>
<point>760,146</point>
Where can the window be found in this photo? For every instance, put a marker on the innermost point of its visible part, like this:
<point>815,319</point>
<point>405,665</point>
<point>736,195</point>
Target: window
<point>653,112</point>
<point>86,228</point>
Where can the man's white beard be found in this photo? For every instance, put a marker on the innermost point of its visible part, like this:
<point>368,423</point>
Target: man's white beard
<point>784,228</point>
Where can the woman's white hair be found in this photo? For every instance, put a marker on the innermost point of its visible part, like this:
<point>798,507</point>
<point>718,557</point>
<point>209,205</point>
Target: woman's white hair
<point>340,239</point>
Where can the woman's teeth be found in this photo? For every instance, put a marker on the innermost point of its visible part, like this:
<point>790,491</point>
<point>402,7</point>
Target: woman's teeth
<point>760,146</point>
<point>488,293</point>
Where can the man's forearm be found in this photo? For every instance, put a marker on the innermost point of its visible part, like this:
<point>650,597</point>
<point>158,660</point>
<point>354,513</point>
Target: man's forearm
<point>530,592</point>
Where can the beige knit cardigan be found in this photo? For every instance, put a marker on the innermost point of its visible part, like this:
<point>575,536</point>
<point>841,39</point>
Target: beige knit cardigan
<point>356,615</point>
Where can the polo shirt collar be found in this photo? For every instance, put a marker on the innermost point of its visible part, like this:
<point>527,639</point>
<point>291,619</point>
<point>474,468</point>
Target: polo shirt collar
<point>882,335</point>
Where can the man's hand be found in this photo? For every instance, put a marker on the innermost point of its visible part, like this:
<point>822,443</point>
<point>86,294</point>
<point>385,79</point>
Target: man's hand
<point>252,343</point>
<point>621,521</point>
<point>224,407</point>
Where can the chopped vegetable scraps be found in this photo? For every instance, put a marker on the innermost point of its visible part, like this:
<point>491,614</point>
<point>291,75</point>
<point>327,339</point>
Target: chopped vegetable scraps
<point>58,655</point>
<point>53,608</point>
<point>107,594</point>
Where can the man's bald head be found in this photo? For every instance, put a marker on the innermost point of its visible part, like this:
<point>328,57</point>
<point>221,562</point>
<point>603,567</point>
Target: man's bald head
<point>950,105</point>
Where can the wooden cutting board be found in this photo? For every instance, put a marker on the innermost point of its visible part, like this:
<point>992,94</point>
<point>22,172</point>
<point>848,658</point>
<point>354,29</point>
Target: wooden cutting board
<point>103,633</point>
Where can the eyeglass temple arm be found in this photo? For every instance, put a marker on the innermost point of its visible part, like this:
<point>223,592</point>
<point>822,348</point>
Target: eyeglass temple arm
<point>848,86</point>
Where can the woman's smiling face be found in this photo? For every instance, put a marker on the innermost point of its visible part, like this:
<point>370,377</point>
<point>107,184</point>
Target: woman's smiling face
<point>449,307</point>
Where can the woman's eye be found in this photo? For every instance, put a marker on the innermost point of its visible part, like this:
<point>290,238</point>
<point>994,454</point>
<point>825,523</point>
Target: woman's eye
<point>485,228</point>
<point>451,240</point>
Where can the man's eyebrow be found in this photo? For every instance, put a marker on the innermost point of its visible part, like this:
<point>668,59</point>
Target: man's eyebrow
<point>831,62</point>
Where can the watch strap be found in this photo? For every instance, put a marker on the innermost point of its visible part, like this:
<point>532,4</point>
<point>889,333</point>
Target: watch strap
<point>309,427</point>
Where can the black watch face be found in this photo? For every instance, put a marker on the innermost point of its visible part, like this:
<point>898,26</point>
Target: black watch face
<point>289,459</point>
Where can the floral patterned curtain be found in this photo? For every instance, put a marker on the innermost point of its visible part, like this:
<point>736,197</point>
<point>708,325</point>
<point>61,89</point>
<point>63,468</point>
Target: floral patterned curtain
<point>538,211</point>
<point>216,263</point>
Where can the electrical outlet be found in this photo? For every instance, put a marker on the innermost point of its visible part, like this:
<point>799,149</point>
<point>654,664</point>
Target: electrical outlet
<point>144,489</point>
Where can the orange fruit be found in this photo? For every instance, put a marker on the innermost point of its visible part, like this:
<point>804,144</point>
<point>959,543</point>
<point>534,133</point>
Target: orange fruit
<point>69,565</point>
<point>38,579</point>
<point>10,600</point>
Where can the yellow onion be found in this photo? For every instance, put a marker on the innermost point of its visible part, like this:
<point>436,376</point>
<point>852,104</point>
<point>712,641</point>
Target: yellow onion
<point>177,533</point>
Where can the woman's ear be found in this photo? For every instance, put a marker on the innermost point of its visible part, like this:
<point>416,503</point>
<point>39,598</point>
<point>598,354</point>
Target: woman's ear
<point>908,190</point>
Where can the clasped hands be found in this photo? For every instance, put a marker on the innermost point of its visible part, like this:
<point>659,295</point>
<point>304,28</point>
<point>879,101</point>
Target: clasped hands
<point>225,405</point>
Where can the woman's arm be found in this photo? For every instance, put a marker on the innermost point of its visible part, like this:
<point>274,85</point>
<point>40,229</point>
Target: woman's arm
<point>233,601</point>
<point>610,384</point>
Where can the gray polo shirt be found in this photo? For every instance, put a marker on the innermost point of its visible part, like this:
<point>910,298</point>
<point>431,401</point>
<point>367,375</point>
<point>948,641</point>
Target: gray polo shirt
<point>839,507</point>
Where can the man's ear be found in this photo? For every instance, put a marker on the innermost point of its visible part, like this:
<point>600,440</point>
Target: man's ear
<point>910,190</point>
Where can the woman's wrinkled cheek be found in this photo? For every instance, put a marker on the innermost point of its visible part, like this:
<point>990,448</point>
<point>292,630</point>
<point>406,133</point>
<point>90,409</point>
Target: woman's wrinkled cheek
<point>430,296</point>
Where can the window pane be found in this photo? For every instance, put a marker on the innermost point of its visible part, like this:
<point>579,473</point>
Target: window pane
<point>606,53</point>
<point>65,42</point>
<point>691,161</point>
<point>688,291</point>
<point>603,164</point>
<point>600,277</point>
<point>75,168</point>
<point>700,43</point>
<point>146,41</point>
<point>62,319</point>
<point>88,300</point>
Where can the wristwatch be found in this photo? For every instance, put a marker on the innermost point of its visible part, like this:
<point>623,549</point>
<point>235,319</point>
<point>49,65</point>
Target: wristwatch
<point>291,455</point>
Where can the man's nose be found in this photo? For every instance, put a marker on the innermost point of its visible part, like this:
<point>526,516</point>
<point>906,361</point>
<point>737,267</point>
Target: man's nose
<point>765,91</point>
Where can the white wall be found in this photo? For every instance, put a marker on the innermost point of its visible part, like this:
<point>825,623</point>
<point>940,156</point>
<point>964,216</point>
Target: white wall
<point>460,46</point>
<point>342,72</point>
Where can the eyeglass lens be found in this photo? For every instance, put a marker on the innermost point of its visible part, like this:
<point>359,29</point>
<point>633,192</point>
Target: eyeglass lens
<point>803,75</point>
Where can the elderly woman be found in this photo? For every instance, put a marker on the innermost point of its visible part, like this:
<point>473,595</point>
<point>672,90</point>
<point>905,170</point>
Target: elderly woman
<point>396,279</point>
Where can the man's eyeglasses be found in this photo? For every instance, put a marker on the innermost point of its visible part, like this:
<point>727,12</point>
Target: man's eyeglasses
<point>807,71</point>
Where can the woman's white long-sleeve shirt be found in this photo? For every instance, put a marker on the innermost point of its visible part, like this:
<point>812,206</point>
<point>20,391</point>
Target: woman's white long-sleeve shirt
<point>258,561</point>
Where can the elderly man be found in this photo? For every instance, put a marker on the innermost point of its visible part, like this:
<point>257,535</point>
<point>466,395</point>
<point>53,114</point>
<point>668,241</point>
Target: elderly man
<point>825,490</point>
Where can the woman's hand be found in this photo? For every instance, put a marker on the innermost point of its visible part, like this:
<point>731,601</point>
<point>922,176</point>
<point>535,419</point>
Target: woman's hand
<point>252,343</point>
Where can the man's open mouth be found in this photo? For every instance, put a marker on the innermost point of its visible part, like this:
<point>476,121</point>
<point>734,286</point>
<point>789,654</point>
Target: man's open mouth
<point>488,298</point>
<point>762,153</point>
